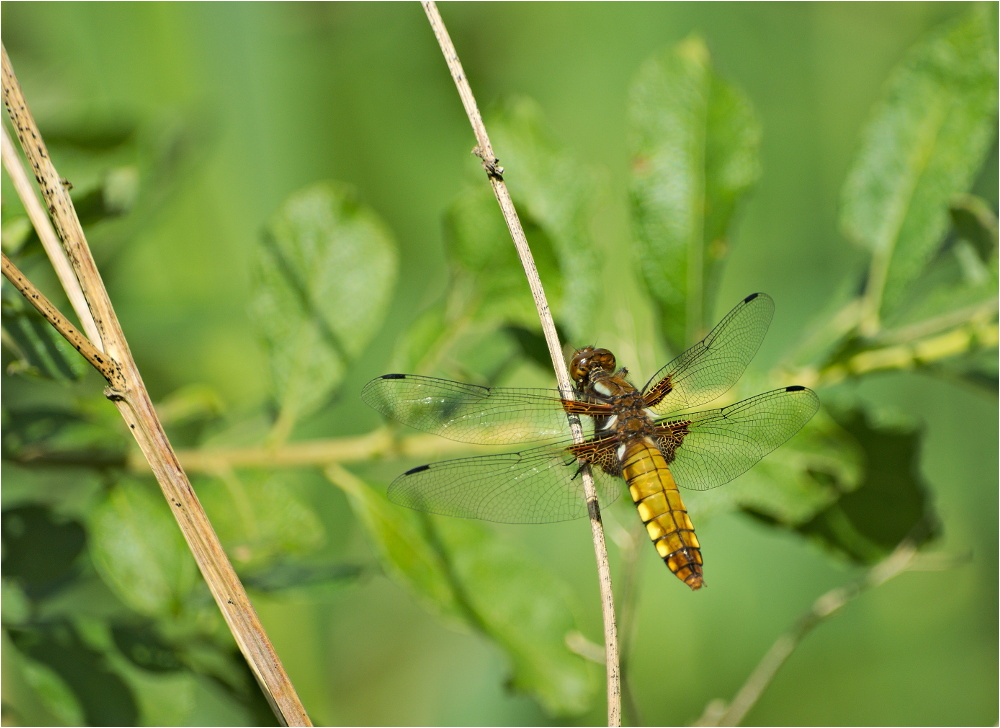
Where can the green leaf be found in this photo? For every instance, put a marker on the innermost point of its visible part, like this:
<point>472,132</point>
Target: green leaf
<point>556,193</point>
<point>694,142</point>
<point>141,645</point>
<point>38,349</point>
<point>552,192</point>
<point>298,578</point>
<point>924,145</point>
<point>114,195</point>
<point>957,282</point>
<point>891,503</point>
<point>462,570</point>
<point>260,519</point>
<point>52,691</point>
<point>40,549</point>
<point>15,231</point>
<point>798,480</point>
<point>489,283</point>
<point>958,286</point>
<point>138,550</point>
<point>67,432</point>
<point>976,222</point>
<point>86,681</point>
<point>325,273</point>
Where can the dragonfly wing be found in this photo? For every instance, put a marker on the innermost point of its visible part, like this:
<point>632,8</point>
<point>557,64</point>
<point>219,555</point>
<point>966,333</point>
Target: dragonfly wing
<point>707,449</point>
<point>540,485</point>
<point>470,413</point>
<point>709,368</point>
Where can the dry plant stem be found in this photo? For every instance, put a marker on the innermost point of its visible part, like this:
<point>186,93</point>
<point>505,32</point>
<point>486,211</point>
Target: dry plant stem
<point>896,563</point>
<point>133,402</point>
<point>107,366</point>
<point>50,241</point>
<point>495,173</point>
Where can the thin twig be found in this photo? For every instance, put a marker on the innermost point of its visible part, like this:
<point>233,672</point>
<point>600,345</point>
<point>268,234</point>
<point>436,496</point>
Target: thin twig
<point>103,363</point>
<point>484,150</point>
<point>718,715</point>
<point>50,241</point>
<point>133,402</point>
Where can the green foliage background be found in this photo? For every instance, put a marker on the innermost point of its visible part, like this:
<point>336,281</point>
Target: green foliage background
<point>201,138</point>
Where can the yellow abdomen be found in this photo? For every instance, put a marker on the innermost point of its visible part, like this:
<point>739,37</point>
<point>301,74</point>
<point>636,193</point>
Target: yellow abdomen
<point>660,506</point>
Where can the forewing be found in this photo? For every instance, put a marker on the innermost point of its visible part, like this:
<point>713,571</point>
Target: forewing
<point>470,413</point>
<point>709,368</point>
<point>718,445</point>
<point>540,485</point>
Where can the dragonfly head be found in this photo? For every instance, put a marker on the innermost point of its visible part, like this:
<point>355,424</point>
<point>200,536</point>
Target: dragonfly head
<point>588,359</point>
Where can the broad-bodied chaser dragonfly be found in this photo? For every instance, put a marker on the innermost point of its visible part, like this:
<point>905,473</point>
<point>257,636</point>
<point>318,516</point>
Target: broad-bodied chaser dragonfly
<point>650,437</point>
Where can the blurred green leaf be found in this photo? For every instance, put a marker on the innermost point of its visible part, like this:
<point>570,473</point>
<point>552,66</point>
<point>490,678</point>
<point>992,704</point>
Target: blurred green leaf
<point>553,194</point>
<point>113,195</point>
<point>891,503</point>
<point>694,141</point>
<point>927,140</point>
<point>67,433</point>
<point>37,348</point>
<point>556,192</point>
<point>139,551</point>
<point>143,647</point>
<point>287,577</point>
<point>462,570</point>
<point>957,281</point>
<point>532,344</point>
<point>40,549</point>
<point>959,284</point>
<point>424,338</point>
<point>52,691</point>
<point>852,486</point>
<point>489,283</point>
<point>260,518</point>
<point>799,479</point>
<point>325,273</point>
<point>978,369</point>
<point>15,231</point>
<point>976,222</point>
<point>86,684</point>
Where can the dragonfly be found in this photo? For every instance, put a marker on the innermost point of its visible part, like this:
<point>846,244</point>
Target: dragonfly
<point>653,438</point>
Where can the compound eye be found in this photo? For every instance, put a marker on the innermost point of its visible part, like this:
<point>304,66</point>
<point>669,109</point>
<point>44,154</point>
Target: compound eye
<point>604,359</point>
<point>580,365</point>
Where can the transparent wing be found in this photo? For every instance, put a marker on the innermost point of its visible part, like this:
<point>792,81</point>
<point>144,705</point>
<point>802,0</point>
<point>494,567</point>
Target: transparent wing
<point>540,485</point>
<point>470,413</point>
<point>709,368</point>
<point>710,448</point>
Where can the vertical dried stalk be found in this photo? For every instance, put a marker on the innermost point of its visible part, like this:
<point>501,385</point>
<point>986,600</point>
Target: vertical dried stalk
<point>129,394</point>
<point>495,173</point>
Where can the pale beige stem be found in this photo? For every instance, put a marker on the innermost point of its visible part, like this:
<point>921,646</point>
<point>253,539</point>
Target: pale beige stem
<point>50,241</point>
<point>484,150</point>
<point>103,363</point>
<point>133,402</point>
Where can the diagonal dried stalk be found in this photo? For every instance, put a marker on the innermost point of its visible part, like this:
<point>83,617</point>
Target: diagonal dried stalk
<point>129,395</point>
<point>494,172</point>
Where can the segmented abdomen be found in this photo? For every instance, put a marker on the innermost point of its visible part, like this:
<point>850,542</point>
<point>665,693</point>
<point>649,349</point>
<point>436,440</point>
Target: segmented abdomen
<point>655,493</point>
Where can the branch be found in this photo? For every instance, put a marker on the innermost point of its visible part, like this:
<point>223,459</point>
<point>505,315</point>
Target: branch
<point>484,150</point>
<point>103,363</point>
<point>133,402</point>
<point>50,241</point>
<point>972,336</point>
